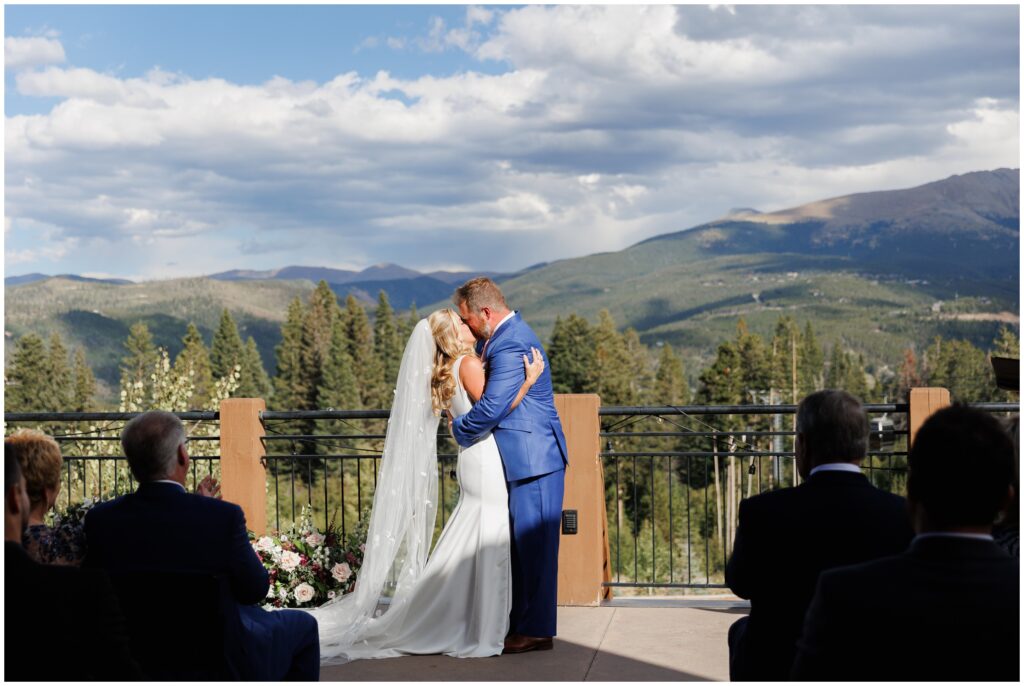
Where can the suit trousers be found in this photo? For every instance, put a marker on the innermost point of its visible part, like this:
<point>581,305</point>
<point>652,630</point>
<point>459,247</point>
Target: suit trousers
<point>535,511</point>
<point>284,644</point>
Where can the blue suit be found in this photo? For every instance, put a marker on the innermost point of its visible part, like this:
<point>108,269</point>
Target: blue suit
<point>533,452</point>
<point>160,527</point>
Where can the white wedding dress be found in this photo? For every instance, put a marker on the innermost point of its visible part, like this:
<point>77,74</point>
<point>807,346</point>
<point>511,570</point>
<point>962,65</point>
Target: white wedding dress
<point>457,601</point>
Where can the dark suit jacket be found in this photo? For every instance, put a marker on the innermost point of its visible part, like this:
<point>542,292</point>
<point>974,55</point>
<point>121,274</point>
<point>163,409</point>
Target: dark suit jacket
<point>62,623</point>
<point>945,610</point>
<point>785,539</point>
<point>161,527</point>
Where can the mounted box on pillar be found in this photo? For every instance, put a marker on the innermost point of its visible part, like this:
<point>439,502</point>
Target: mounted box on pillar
<point>583,549</point>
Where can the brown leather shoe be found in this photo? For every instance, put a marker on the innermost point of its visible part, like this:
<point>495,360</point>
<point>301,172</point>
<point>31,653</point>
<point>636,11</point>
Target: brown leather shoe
<point>517,643</point>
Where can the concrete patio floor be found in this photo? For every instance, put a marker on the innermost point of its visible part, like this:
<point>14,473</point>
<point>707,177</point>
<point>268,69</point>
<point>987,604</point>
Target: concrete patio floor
<point>631,639</point>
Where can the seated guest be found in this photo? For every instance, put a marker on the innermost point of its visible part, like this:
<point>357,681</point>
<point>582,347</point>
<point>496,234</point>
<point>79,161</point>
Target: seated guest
<point>40,460</point>
<point>91,641</point>
<point>161,527</point>
<point>785,538</point>
<point>1006,532</point>
<point>947,609</point>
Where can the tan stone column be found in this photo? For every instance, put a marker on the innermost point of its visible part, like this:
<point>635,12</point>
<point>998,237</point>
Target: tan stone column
<point>243,476</point>
<point>924,402</point>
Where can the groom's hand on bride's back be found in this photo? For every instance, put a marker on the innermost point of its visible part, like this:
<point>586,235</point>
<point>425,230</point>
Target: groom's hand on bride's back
<point>451,422</point>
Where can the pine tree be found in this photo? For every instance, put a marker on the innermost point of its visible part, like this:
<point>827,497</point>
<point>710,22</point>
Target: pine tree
<point>289,383</point>
<point>194,362</point>
<point>406,325</point>
<point>811,363</point>
<point>572,356</point>
<point>755,363</point>
<point>846,372</point>
<point>670,387</point>
<point>316,339</point>
<point>785,360</point>
<point>386,342</point>
<point>58,384</point>
<point>641,377</point>
<point>138,365</point>
<point>253,381</point>
<point>961,368</point>
<point>1006,344</point>
<point>613,368</point>
<point>226,349</point>
<point>84,384</point>
<point>368,372</point>
<point>338,388</point>
<point>27,376</point>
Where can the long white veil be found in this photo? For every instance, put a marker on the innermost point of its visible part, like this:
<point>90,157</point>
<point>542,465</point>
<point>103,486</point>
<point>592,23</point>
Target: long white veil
<point>401,522</point>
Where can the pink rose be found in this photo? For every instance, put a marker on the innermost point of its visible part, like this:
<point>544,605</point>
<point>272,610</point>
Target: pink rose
<point>341,572</point>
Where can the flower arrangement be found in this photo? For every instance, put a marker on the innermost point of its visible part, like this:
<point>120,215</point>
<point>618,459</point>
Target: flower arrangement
<point>308,568</point>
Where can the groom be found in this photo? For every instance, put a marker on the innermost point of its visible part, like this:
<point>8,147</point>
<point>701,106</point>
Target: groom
<point>533,452</point>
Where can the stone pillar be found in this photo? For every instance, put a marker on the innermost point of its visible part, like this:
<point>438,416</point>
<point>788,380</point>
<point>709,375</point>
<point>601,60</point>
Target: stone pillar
<point>583,556</point>
<point>243,475</point>
<point>924,402</point>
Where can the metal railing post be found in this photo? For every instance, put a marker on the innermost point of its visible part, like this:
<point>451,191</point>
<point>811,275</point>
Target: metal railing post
<point>242,464</point>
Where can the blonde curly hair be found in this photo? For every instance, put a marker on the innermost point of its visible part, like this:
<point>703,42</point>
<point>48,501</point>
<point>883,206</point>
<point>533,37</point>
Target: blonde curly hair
<point>449,346</point>
<point>40,460</point>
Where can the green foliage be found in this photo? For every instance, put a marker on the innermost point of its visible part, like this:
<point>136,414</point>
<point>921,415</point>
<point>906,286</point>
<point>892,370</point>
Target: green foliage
<point>386,342</point>
<point>338,388</point>
<point>226,350</point>
<point>27,376</point>
<point>846,371</point>
<point>670,387</point>
<point>960,367</point>
<point>613,369</point>
<point>289,382</point>
<point>253,380</point>
<point>572,355</point>
<point>141,357</point>
<point>368,371</point>
<point>1006,344</point>
<point>194,361</point>
<point>84,388</point>
<point>58,387</point>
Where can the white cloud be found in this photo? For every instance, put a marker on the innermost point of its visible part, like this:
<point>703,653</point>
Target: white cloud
<point>619,121</point>
<point>23,53</point>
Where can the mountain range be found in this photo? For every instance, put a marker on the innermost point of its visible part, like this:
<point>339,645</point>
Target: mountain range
<point>880,271</point>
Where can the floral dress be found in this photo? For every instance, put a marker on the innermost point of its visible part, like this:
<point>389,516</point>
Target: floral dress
<point>60,545</point>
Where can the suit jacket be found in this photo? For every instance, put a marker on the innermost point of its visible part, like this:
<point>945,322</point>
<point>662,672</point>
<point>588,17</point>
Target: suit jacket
<point>530,439</point>
<point>945,610</point>
<point>786,538</point>
<point>62,623</point>
<point>161,527</point>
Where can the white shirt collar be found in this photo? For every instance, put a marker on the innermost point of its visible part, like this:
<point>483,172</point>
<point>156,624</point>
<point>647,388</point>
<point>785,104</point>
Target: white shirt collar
<point>503,320</point>
<point>168,481</point>
<point>836,467</point>
<point>954,534</point>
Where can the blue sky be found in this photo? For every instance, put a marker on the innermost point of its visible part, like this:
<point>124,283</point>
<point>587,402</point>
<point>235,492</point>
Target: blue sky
<point>188,139</point>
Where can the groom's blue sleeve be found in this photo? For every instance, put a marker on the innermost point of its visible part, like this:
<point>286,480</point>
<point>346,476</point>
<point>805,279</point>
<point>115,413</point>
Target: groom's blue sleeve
<point>505,376</point>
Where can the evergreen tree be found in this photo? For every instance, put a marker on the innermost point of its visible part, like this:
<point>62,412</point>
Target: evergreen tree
<point>57,387</point>
<point>612,367</point>
<point>961,368</point>
<point>1006,344</point>
<point>368,372</point>
<point>27,376</point>
<point>639,364</point>
<point>846,372</point>
<point>572,356</point>
<point>84,384</point>
<point>386,342</point>
<point>316,339</point>
<point>289,383</point>
<point>253,381</point>
<point>226,349</point>
<point>338,388</point>
<point>138,365</point>
<point>722,382</point>
<point>405,327</point>
<point>811,363</point>
<point>755,363</point>
<point>670,387</point>
<point>786,344</point>
<point>194,362</point>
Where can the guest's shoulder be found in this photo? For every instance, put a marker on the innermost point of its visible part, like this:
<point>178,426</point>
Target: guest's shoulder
<point>107,507</point>
<point>213,506</point>
<point>770,500</point>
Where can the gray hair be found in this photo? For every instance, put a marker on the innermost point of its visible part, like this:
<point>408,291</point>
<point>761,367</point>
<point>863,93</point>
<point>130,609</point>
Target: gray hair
<point>834,426</point>
<point>150,443</point>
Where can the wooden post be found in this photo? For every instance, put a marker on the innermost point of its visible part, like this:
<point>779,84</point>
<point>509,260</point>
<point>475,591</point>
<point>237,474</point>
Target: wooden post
<point>243,476</point>
<point>583,557</point>
<point>924,402</point>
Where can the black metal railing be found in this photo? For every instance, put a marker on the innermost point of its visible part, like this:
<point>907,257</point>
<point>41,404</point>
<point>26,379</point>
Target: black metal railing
<point>95,467</point>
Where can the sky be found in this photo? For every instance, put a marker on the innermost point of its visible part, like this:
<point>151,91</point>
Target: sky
<point>151,142</point>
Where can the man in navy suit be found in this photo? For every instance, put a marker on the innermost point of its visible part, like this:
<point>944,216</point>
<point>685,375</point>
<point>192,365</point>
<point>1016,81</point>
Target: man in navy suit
<point>785,538</point>
<point>533,452</point>
<point>161,527</point>
<point>948,608</point>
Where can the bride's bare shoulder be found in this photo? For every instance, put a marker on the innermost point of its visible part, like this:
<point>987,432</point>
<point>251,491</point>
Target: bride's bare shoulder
<point>471,374</point>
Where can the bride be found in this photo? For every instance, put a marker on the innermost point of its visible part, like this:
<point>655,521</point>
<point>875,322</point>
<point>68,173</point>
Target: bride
<point>457,600</point>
